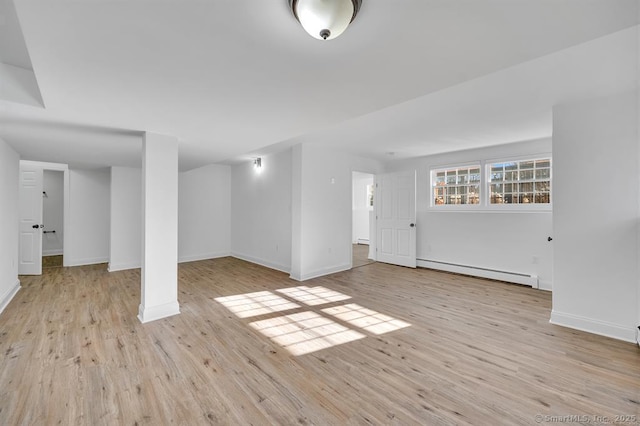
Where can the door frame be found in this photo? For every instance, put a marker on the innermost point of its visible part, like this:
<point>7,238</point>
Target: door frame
<point>371,237</point>
<point>65,200</point>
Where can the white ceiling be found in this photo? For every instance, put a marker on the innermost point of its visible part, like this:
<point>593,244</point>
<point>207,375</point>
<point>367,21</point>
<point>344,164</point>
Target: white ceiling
<point>13,50</point>
<point>233,78</point>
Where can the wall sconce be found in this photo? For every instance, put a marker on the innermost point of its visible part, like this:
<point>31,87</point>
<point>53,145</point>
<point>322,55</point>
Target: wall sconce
<point>257,164</point>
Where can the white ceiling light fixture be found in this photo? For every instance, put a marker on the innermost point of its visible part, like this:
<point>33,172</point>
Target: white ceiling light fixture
<point>325,19</point>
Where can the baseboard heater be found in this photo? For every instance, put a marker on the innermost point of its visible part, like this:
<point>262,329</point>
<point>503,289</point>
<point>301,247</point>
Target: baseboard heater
<point>493,274</point>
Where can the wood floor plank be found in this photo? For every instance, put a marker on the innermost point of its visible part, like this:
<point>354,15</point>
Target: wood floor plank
<point>475,352</point>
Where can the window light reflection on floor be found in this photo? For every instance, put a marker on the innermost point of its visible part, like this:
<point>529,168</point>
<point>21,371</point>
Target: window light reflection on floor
<point>366,319</point>
<point>312,296</point>
<point>305,332</point>
<point>257,303</point>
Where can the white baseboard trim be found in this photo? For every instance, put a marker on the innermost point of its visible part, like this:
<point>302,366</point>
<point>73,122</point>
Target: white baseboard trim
<point>262,262</point>
<point>603,328</point>
<point>8,295</point>
<point>82,262</point>
<point>113,267</point>
<point>153,313</point>
<point>364,241</point>
<point>545,285</point>
<point>512,277</point>
<point>56,252</point>
<point>322,272</point>
<point>206,256</point>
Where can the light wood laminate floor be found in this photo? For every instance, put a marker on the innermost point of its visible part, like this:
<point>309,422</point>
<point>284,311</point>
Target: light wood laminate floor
<point>55,261</point>
<point>360,255</point>
<point>476,352</point>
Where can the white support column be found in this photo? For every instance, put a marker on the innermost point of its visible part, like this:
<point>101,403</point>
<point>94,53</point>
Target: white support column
<point>160,227</point>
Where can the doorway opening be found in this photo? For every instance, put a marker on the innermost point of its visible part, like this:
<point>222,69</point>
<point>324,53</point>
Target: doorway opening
<point>34,196</point>
<point>362,196</point>
<point>52,218</point>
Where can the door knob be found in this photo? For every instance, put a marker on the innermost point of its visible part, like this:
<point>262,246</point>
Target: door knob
<point>37,226</point>
<point>412,225</point>
<point>549,238</point>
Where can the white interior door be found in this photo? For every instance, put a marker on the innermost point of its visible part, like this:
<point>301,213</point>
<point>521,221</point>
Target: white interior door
<point>395,201</point>
<point>30,262</point>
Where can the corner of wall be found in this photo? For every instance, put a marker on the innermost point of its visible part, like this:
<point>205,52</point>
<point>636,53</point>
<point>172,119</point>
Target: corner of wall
<point>638,135</point>
<point>263,262</point>
<point>8,295</point>
<point>203,256</point>
<point>9,223</point>
<point>296,212</point>
<point>590,325</point>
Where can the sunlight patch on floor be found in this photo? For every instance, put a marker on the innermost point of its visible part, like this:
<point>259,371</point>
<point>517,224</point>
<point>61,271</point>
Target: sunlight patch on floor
<point>313,296</point>
<point>258,303</point>
<point>366,319</point>
<point>305,332</point>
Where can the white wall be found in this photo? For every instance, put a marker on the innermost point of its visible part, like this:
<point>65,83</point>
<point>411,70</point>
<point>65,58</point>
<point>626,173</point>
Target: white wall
<point>204,213</point>
<point>296,211</point>
<point>595,150</point>
<point>53,212</point>
<point>510,241</point>
<point>261,206</point>
<point>322,205</point>
<point>9,166</point>
<point>125,248</point>
<point>88,233</point>
<point>360,206</point>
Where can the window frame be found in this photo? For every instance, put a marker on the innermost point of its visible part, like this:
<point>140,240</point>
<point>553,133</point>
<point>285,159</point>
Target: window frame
<point>485,186</point>
<point>518,206</point>
<point>459,166</point>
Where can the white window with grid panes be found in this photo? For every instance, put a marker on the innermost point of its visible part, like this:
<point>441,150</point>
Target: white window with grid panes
<point>523,182</point>
<point>456,186</point>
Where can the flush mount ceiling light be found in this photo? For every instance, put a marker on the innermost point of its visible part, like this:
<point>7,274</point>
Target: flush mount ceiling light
<point>325,19</point>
